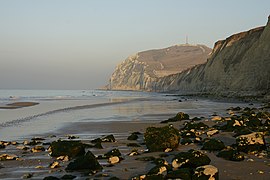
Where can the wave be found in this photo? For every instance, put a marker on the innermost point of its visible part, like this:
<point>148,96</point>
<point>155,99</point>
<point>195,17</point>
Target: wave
<point>68,109</point>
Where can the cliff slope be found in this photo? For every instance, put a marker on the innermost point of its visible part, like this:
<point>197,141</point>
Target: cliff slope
<point>238,66</point>
<point>141,71</point>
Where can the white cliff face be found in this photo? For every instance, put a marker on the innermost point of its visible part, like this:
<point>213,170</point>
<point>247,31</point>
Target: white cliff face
<point>142,70</point>
<point>238,66</point>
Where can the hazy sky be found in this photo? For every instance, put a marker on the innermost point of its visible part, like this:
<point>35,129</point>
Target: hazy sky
<point>64,44</point>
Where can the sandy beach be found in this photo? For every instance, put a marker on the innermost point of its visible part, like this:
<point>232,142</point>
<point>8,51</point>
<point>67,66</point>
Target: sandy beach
<point>121,120</point>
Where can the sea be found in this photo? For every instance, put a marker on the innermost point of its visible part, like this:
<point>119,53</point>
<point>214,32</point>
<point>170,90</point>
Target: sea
<point>60,108</point>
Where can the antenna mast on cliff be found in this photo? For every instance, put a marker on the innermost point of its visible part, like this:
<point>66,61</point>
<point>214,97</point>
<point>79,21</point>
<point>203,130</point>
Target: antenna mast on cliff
<point>186,39</point>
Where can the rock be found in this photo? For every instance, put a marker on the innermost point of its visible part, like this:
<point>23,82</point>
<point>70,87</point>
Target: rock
<point>182,173</point>
<point>159,169</point>
<point>5,157</point>
<point>161,138</point>
<point>212,132</point>
<point>147,158</point>
<point>31,143</point>
<point>4,143</point>
<point>113,152</point>
<point>133,145</point>
<point>195,126</point>
<point>109,138</point>
<point>72,137</point>
<point>133,137</point>
<point>251,142</point>
<point>51,178</point>
<point>216,118</point>
<point>114,160</point>
<point>67,148</point>
<point>68,176</point>
<point>178,117</point>
<point>231,154</point>
<point>213,145</point>
<point>63,158</point>
<point>207,172</point>
<point>37,139</point>
<point>27,176</point>
<point>55,164</point>
<point>190,159</point>
<point>37,149</point>
<point>134,153</point>
<point>186,141</point>
<point>85,162</point>
<point>188,134</point>
<point>23,148</point>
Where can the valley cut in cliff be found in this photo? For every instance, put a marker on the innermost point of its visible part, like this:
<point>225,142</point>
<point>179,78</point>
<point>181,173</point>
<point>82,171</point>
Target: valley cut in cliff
<point>238,66</point>
<point>142,70</point>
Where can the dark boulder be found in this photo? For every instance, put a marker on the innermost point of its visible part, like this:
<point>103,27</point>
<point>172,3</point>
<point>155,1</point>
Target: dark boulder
<point>85,162</point>
<point>67,148</point>
<point>178,117</point>
<point>68,176</point>
<point>190,159</point>
<point>196,126</point>
<point>161,138</point>
<point>108,138</point>
<point>231,155</point>
<point>113,152</point>
<point>51,178</point>
<point>182,173</point>
<point>213,145</point>
<point>133,137</point>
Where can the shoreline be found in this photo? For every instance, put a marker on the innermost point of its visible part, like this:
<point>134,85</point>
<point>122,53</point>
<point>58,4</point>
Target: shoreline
<point>38,164</point>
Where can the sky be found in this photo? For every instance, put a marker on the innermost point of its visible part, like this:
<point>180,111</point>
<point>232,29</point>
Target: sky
<point>76,44</point>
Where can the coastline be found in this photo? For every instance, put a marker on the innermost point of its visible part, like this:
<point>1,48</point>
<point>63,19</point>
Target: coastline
<point>141,115</point>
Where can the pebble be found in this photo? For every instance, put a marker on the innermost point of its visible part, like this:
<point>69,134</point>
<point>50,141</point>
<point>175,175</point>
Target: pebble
<point>250,160</point>
<point>63,158</point>
<point>114,160</point>
<point>55,164</point>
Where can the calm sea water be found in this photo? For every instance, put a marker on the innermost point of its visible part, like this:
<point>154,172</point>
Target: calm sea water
<point>60,108</point>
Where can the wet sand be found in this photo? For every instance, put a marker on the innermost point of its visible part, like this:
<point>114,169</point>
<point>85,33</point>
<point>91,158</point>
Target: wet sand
<point>17,105</point>
<point>253,167</point>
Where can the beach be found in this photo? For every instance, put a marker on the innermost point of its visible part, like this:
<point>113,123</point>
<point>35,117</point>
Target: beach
<point>85,119</point>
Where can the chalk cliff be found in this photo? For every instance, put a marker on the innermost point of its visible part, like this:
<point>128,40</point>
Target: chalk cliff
<point>238,66</point>
<point>142,70</point>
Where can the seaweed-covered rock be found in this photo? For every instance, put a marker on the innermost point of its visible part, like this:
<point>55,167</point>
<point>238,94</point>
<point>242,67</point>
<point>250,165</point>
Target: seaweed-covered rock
<point>85,162</point>
<point>109,138</point>
<point>68,176</point>
<point>133,137</point>
<point>113,152</point>
<point>207,172</point>
<point>231,154</point>
<point>251,142</point>
<point>159,169</point>
<point>67,148</point>
<point>196,126</point>
<point>178,117</point>
<point>186,141</point>
<point>182,173</point>
<point>190,159</point>
<point>188,134</point>
<point>5,157</point>
<point>161,138</point>
<point>37,149</point>
<point>213,145</point>
<point>51,178</point>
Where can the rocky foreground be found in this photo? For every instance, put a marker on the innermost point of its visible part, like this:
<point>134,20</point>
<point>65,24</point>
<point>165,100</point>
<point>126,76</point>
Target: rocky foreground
<point>230,147</point>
